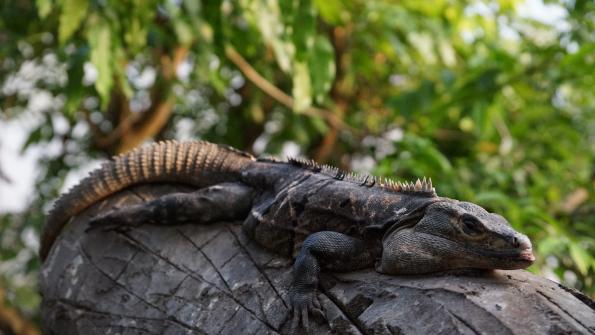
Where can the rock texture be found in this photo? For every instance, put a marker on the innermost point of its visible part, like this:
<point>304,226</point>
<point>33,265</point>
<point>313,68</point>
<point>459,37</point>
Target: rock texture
<point>193,279</point>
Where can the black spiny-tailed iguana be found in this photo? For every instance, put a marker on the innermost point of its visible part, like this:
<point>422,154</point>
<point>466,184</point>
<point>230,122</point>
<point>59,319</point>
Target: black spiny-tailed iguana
<point>323,217</point>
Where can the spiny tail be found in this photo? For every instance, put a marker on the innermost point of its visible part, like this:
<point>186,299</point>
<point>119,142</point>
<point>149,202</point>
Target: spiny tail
<point>195,163</point>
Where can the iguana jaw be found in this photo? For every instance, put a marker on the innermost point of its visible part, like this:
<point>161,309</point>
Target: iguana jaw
<point>509,259</point>
<point>412,252</point>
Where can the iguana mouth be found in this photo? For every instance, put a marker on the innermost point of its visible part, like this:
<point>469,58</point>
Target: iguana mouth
<point>524,255</point>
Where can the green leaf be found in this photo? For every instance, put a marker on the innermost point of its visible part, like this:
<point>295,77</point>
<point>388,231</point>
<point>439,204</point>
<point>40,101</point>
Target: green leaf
<point>302,88</point>
<point>135,29</point>
<point>44,7</point>
<point>212,14</point>
<point>426,154</point>
<point>331,10</point>
<point>492,198</point>
<point>136,34</point>
<point>101,57</point>
<point>271,18</point>
<point>27,297</point>
<point>550,245</point>
<point>34,137</point>
<point>303,27</point>
<point>184,32</point>
<point>581,258</point>
<point>319,124</point>
<point>194,8</point>
<point>74,88</point>
<point>73,13</point>
<point>321,63</point>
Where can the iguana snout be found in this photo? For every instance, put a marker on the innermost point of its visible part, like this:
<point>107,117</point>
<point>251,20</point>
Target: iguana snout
<point>455,235</point>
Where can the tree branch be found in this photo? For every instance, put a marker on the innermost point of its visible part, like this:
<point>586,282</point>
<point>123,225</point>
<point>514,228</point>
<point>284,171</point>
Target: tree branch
<point>274,92</point>
<point>136,127</point>
<point>160,111</point>
<point>12,322</point>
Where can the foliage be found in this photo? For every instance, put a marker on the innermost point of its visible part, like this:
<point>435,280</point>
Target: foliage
<point>496,107</point>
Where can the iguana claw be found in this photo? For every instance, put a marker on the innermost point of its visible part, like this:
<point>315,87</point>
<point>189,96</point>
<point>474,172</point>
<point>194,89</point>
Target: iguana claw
<point>303,304</point>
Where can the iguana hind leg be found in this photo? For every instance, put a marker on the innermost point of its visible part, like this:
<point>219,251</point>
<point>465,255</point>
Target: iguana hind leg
<point>328,250</point>
<point>226,201</point>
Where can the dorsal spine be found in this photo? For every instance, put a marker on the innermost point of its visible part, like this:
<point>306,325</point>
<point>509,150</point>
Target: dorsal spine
<point>421,187</point>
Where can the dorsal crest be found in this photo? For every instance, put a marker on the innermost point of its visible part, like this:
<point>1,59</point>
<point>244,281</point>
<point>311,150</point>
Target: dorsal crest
<point>421,187</point>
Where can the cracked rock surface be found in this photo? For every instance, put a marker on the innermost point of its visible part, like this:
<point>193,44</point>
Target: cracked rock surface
<point>211,279</point>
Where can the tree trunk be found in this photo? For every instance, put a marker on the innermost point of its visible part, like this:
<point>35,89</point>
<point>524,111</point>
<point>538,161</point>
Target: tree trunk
<point>210,279</point>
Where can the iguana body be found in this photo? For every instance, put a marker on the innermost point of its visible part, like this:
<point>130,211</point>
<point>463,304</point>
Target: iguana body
<point>317,214</point>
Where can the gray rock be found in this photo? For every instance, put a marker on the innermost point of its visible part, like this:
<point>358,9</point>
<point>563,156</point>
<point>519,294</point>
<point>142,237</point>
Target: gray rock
<point>193,279</point>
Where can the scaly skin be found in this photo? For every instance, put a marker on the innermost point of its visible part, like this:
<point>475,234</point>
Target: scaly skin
<point>195,163</point>
<point>323,217</point>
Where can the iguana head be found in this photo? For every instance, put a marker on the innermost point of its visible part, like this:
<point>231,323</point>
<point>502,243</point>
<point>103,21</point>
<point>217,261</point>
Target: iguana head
<point>449,234</point>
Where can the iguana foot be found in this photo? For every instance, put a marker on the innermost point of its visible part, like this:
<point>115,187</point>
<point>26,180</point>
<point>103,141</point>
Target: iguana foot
<point>302,304</point>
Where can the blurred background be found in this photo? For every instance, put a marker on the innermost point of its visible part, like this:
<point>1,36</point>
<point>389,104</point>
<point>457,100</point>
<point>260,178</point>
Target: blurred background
<point>494,100</point>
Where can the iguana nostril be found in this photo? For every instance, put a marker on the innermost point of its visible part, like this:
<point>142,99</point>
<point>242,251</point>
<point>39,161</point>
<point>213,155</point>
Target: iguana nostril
<point>520,241</point>
<point>515,242</point>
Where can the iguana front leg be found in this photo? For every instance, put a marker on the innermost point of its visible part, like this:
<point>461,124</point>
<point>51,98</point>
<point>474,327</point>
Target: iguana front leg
<point>329,250</point>
<point>227,201</point>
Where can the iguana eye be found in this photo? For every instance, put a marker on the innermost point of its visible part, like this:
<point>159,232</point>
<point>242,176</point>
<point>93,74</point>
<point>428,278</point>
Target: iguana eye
<point>471,226</point>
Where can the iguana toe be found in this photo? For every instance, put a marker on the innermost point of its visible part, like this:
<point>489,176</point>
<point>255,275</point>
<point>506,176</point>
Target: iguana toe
<point>302,305</point>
